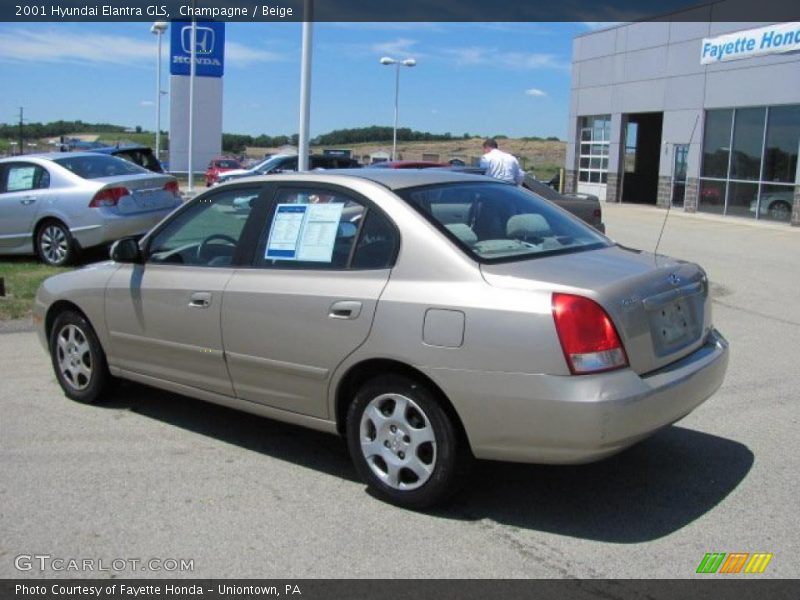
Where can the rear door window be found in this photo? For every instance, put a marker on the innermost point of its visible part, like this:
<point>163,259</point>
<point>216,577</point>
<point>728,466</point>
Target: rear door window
<point>23,177</point>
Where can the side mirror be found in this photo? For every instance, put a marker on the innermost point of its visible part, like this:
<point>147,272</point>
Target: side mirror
<point>126,250</point>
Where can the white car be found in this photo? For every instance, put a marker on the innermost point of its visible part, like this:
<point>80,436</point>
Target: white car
<point>54,205</point>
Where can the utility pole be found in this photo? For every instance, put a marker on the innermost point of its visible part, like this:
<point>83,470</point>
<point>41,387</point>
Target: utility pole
<point>21,136</point>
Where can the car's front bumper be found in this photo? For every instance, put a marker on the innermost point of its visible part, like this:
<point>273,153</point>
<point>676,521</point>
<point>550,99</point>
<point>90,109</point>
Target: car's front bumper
<point>574,419</point>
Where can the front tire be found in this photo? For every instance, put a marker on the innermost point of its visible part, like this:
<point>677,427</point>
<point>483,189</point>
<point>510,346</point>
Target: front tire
<point>54,244</point>
<point>403,444</point>
<point>78,358</point>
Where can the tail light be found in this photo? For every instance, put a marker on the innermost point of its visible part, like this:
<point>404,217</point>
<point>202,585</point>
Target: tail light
<point>172,186</point>
<point>597,213</point>
<point>588,337</point>
<point>108,196</point>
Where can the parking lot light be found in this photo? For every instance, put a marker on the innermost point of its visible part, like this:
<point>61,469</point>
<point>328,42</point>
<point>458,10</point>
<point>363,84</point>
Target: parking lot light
<point>409,62</point>
<point>158,29</point>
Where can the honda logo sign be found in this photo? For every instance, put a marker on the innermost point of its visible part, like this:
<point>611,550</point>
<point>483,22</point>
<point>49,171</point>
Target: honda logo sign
<point>209,48</point>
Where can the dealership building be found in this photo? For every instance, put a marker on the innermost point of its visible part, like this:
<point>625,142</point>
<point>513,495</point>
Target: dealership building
<point>689,111</point>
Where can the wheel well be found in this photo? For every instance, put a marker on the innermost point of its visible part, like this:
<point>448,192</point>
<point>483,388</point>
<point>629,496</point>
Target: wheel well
<point>56,309</point>
<point>362,372</point>
<point>45,220</point>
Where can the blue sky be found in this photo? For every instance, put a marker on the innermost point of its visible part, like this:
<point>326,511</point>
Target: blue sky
<point>481,78</point>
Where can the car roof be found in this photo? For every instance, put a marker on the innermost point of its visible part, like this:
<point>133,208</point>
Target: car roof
<point>394,179</point>
<point>113,149</point>
<point>400,164</point>
<point>52,155</point>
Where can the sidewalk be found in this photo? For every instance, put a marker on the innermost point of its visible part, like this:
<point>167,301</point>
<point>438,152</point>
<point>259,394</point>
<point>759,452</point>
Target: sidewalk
<point>679,213</point>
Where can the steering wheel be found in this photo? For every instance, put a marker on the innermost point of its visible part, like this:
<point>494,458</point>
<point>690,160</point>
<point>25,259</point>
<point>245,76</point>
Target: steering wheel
<point>214,236</point>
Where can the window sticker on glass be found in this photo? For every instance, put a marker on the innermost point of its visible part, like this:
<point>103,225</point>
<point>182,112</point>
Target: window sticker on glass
<point>20,178</point>
<point>304,232</point>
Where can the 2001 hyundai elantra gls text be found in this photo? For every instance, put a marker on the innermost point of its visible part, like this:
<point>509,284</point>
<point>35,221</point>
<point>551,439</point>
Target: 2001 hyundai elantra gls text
<point>429,317</point>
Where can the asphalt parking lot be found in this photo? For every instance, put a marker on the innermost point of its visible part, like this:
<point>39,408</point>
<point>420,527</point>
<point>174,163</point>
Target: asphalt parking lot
<point>154,475</point>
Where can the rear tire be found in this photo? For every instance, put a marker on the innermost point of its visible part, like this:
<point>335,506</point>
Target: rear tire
<point>78,358</point>
<point>403,444</point>
<point>54,244</point>
<point>780,211</point>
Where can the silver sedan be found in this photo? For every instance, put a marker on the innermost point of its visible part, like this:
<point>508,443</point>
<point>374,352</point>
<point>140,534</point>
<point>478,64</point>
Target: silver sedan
<point>54,205</point>
<point>428,317</point>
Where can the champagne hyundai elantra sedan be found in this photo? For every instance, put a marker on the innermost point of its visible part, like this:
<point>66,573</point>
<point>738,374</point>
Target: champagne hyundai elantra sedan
<point>428,317</point>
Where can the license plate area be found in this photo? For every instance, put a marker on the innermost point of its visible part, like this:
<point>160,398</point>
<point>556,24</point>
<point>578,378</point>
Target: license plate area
<point>675,324</point>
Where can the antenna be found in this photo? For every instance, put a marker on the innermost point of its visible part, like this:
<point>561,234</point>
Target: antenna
<point>669,206</point>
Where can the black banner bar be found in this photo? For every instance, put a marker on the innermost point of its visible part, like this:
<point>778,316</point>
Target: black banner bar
<point>405,10</point>
<point>713,587</point>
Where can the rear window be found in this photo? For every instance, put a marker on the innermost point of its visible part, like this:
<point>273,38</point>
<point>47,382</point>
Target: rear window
<point>500,222</point>
<point>95,167</point>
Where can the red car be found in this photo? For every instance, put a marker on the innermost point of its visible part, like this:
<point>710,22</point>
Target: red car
<point>218,166</point>
<point>406,164</point>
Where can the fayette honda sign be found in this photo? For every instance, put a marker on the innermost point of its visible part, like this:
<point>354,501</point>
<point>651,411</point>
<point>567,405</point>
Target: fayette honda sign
<point>209,48</point>
<point>784,37</point>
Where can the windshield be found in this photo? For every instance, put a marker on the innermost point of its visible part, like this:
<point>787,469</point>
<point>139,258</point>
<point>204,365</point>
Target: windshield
<point>97,166</point>
<point>496,221</point>
<point>272,163</point>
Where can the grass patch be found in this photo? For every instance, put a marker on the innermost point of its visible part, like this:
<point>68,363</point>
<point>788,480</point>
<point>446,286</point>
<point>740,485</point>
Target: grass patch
<point>22,279</point>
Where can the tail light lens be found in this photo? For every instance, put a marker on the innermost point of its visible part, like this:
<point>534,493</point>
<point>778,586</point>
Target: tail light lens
<point>597,213</point>
<point>172,186</point>
<point>108,196</point>
<point>588,337</point>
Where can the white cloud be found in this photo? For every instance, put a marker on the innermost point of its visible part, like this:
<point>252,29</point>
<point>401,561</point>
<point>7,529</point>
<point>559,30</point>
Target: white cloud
<point>398,46</point>
<point>59,46</point>
<point>535,92</point>
<point>480,56</point>
<point>147,103</point>
<point>239,54</point>
<point>55,46</point>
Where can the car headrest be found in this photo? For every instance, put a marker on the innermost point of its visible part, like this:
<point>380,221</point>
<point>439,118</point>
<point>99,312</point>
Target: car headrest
<point>463,232</point>
<point>527,225</point>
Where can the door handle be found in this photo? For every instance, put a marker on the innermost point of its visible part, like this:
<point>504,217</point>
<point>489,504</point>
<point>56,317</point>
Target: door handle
<point>345,309</point>
<point>200,300</point>
<point>28,200</point>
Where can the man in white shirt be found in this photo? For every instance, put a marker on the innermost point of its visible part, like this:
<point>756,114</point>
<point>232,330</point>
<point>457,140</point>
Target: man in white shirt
<point>500,165</point>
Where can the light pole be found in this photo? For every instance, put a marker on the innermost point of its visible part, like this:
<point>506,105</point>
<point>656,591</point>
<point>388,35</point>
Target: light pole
<point>158,29</point>
<point>409,62</point>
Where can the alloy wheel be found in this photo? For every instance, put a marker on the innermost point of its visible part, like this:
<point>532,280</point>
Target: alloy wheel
<point>53,244</point>
<point>74,357</point>
<point>398,441</point>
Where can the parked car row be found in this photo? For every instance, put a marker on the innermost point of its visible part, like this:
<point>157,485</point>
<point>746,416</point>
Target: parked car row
<point>281,163</point>
<point>427,316</point>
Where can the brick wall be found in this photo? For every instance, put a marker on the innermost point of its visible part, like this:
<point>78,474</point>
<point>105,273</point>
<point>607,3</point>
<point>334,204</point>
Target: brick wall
<point>612,187</point>
<point>691,195</point>
<point>664,195</point>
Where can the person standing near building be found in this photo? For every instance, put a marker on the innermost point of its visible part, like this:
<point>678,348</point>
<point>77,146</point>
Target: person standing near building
<point>500,165</point>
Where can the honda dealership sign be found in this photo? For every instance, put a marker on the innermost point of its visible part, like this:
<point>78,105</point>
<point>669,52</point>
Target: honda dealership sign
<point>783,37</point>
<point>206,135</point>
<point>209,48</point>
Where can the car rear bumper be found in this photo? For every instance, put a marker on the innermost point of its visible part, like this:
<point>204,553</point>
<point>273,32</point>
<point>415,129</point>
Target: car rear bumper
<point>109,227</point>
<point>575,419</point>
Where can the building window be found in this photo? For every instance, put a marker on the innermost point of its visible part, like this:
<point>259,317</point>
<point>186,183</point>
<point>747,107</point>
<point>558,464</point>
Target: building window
<point>595,136</point>
<point>750,162</point>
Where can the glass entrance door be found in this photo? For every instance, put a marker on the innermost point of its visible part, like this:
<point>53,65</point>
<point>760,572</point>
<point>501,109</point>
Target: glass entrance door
<point>679,174</point>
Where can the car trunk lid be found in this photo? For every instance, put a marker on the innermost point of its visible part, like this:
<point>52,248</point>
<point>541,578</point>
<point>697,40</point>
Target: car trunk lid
<point>147,192</point>
<point>660,306</point>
